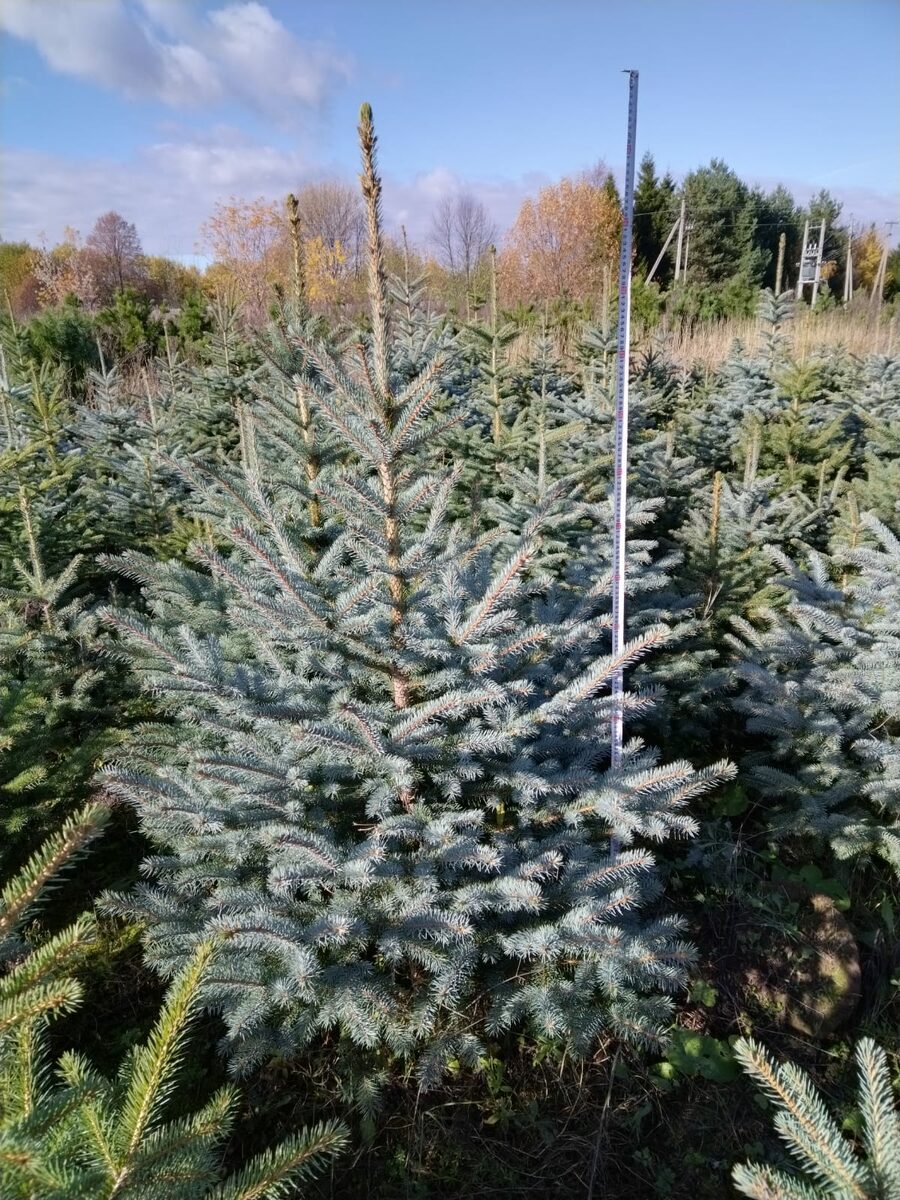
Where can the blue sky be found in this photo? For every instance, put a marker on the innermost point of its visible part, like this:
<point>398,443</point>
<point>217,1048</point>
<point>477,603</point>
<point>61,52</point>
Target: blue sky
<point>160,107</point>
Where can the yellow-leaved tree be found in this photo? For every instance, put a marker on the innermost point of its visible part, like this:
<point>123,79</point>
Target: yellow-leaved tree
<point>325,271</point>
<point>248,242</point>
<point>564,241</point>
<point>867,251</point>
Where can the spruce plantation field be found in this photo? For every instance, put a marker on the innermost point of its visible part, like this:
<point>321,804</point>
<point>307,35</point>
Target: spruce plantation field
<point>318,880</point>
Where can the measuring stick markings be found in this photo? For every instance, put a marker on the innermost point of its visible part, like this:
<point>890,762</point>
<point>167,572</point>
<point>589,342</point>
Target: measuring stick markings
<point>621,442</point>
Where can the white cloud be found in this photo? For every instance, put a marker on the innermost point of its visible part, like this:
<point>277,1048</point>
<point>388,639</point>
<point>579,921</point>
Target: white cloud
<point>168,189</point>
<point>863,205</point>
<point>175,53</point>
<point>171,187</point>
<point>411,203</point>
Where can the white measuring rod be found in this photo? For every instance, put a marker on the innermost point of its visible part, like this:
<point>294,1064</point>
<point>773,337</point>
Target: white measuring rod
<point>620,478</point>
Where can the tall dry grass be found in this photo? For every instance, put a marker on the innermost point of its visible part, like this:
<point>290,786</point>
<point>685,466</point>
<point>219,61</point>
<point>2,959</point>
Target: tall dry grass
<point>857,332</point>
<point>705,345</point>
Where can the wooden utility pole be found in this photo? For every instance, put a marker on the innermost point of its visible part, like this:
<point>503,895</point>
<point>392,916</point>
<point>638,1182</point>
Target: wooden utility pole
<point>782,242</point>
<point>811,262</point>
<point>821,247</point>
<point>880,274</point>
<point>848,269</point>
<point>687,249</point>
<point>680,240</point>
<point>803,245</point>
<point>659,257</point>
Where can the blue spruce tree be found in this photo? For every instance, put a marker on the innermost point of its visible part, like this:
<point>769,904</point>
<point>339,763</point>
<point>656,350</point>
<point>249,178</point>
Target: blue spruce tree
<point>384,780</point>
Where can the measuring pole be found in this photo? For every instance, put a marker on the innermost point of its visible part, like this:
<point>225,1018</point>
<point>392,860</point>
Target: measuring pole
<point>621,455</point>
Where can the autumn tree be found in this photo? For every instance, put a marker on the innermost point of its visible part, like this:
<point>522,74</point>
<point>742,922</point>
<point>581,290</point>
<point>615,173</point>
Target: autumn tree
<point>247,239</point>
<point>462,231</point>
<point>331,213</point>
<point>115,253</point>
<point>867,252</point>
<point>326,271</point>
<point>564,241</point>
<point>168,282</point>
<point>65,271</point>
<point>18,286</point>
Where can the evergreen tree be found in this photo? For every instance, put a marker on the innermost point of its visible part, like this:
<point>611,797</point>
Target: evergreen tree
<point>777,214</point>
<point>495,340</point>
<point>82,1135</point>
<point>385,782</point>
<point>654,212</point>
<point>829,1163</point>
<point>36,982</point>
<point>722,216</point>
<point>820,692</point>
<point>67,484</point>
<point>63,702</point>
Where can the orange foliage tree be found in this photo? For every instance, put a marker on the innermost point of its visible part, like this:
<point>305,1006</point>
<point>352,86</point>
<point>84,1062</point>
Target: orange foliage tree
<point>248,241</point>
<point>563,241</point>
<point>64,271</point>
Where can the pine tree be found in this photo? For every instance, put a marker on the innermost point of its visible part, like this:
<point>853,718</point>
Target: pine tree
<point>805,453</point>
<point>122,442</point>
<point>879,410</point>
<point>495,340</point>
<point>723,221</point>
<point>36,982</point>
<point>82,1135</point>
<point>875,589</point>
<point>385,782</point>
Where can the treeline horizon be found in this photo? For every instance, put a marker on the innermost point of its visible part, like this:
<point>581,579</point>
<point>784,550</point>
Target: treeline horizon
<point>557,261</point>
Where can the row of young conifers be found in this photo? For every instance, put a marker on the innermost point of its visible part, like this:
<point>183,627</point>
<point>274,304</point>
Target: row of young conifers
<point>332,609</point>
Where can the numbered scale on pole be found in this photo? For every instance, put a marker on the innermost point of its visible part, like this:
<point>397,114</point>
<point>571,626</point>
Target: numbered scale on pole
<point>620,476</point>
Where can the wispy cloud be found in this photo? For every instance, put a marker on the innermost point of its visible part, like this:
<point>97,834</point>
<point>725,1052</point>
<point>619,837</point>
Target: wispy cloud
<point>179,55</point>
<point>413,202</point>
<point>170,187</point>
<point>864,205</point>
